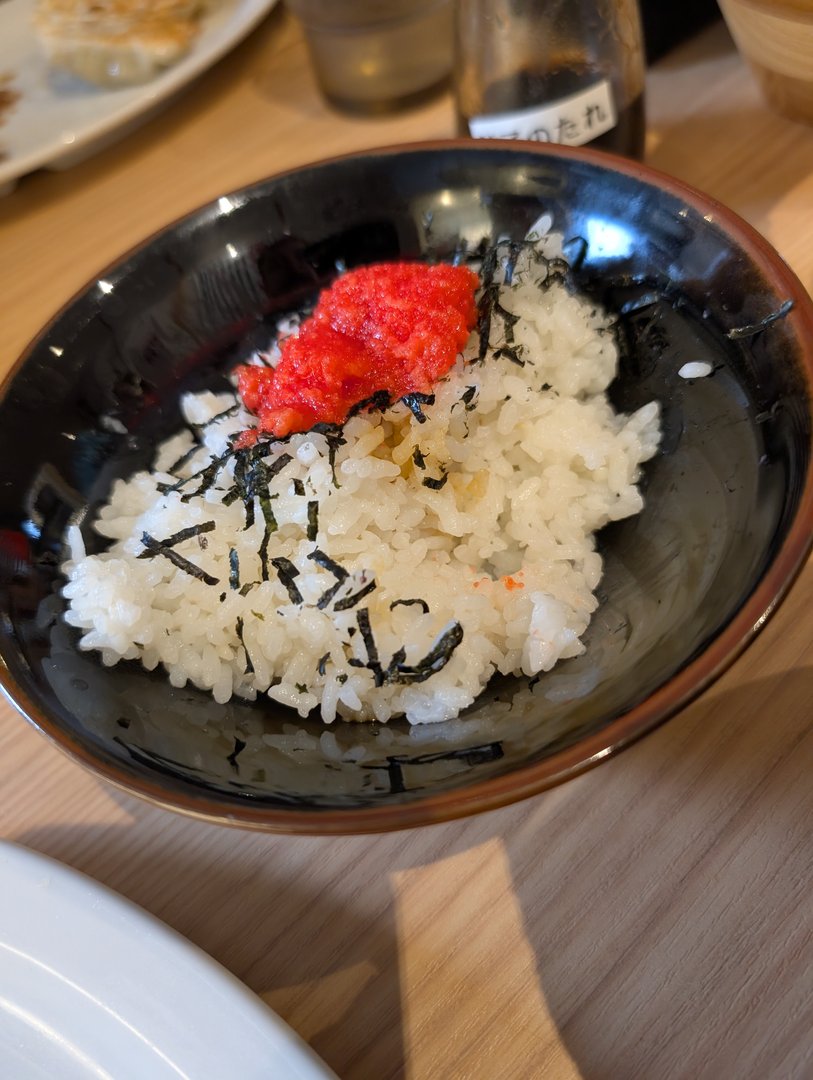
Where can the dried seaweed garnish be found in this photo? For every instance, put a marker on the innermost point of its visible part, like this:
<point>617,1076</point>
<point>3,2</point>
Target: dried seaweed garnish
<point>234,569</point>
<point>408,603</point>
<point>739,332</point>
<point>418,458</point>
<point>299,487</point>
<point>435,660</point>
<point>264,553</point>
<point>334,438</point>
<point>339,572</point>
<point>249,585</point>
<point>376,402</point>
<point>185,534</point>
<point>487,299</point>
<point>321,559</point>
<point>277,466</point>
<point>321,667</point>
<point>467,397</point>
<point>185,457</point>
<point>514,248</point>
<point>509,321</point>
<point>158,547</point>
<point>397,671</point>
<point>239,746</point>
<point>313,520</point>
<point>341,678</point>
<point>301,688</point>
<point>229,411</point>
<point>557,269</point>
<point>328,595</point>
<point>238,629</point>
<point>258,477</point>
<point>435,484</point>
<point>206,475</point>
<point>414,401</point>
<point>286,572</point>
<point>373,661</point>
<point>349,602</point>
<point>512,353</point>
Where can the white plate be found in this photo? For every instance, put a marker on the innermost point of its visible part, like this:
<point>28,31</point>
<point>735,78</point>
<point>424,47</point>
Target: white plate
<point>92,986</point>
<point>58,121</point>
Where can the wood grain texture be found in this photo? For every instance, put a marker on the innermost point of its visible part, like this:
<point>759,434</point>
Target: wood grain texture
<point>651,919</point>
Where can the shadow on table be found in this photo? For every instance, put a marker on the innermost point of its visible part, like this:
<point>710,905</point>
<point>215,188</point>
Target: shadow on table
<point>676,942</point>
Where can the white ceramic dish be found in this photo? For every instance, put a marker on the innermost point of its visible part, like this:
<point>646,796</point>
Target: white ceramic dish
<point>92,986</point>
<point>58,121</point>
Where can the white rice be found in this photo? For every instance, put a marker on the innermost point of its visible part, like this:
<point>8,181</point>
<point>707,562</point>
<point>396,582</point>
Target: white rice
<point>502,555</point>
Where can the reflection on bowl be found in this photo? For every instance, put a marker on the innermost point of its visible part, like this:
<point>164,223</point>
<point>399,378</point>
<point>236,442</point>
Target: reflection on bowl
<point>729,499</point>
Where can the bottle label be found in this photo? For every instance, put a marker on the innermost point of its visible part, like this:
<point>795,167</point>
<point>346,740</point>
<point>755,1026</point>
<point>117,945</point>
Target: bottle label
<point>572,120</point>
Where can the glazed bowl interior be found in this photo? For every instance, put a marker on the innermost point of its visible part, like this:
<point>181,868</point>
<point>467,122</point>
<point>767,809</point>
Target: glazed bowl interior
<point>727,514</point>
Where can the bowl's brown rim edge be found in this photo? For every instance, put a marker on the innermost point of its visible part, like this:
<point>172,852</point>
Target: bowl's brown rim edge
<point>670,698</point>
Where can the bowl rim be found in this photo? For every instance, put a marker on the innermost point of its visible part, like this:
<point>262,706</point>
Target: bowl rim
<point>618,733</point>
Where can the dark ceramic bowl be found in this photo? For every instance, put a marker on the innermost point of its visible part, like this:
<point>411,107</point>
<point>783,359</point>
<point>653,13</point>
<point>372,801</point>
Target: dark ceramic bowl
<point>688,583</point>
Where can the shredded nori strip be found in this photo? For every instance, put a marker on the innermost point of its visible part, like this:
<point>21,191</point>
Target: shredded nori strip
<point>238,627</point>
<point>339,572</point>
<point>277,466</point>
<point>341,678</point>
<point>286,572</point>
<point>414,401</point>
<point>157,547</point>
<point>418,458</point>
<point>328,595</point>
<point>246,589</point>
<point>488,296</point>
<point>350,601</point>
<point>186,456</point>
<point>435,485</point>
<point>299,487</point>
<point>230,411</point>
<point>509,321</point>
<point>239,746</point>
<point>313,520</point>
<point>207,477</point>
<point>325,561</point>
<point>377,401</point>
<point>435,660</point>
<point>468,396</point>
<point>320,667</point>
<point>234,569</point>
<point>512,352</point>
<point>264,553</point>
<point>373,661</point>
<point>334,439</point>
<point>407,603</point>
<point>183,534</point>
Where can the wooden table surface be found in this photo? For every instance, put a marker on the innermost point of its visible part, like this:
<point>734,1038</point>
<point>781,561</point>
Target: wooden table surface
<point>653,918</point>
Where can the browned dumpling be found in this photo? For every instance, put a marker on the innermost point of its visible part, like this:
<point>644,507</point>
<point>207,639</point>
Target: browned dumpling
<point>116,42</point>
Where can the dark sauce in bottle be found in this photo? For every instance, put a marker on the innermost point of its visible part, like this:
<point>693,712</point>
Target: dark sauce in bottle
<point>525,89</point>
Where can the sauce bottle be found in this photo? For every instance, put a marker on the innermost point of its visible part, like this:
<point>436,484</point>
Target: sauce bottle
<point>559,71</point>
